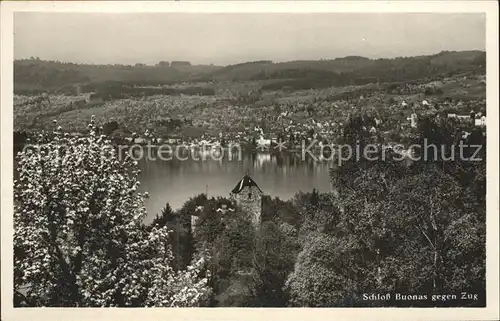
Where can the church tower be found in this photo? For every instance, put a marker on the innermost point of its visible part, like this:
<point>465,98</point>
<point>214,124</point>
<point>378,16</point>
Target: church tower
<point>248,196</point>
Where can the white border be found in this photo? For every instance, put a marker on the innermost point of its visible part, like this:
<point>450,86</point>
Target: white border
<point>488,313</point>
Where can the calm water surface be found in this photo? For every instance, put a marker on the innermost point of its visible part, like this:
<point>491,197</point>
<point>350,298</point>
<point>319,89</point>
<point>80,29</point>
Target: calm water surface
<point>278,175</point>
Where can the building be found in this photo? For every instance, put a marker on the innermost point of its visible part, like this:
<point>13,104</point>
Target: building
<point>480,121</point>
<point>459,117</point>
<point>248,196</point>
<point>464,117</point>
<point>413,120</point>
<point>175,64</point>
<point>263,143</point>
<point>194,217</point>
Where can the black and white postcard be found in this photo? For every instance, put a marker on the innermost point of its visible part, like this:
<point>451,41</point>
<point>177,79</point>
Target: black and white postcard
<point>301,160</point>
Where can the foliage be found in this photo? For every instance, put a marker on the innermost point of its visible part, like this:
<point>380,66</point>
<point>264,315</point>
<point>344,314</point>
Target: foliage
<point>36,74</point>
<point>79,239</point>
<point>232,263</point>
<point>417,234</point>
<point>119,90</point>
<point>277,210</point>
<point>249,266</point>
<point>331,283</point>
<point>394,229</point>
<point>276,249</point>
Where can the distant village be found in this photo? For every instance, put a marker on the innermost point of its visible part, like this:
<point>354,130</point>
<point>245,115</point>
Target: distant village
<point>257,120</point>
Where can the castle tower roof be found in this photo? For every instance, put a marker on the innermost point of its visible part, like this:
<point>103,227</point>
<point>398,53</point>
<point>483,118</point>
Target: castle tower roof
<point>244,182</point>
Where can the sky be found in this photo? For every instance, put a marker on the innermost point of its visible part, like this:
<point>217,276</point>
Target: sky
<point>222,39</point>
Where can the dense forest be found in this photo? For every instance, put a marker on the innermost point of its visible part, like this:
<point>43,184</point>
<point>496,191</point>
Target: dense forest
<point>119,90</point>
<point>35,76</point>
<point>387,228</point>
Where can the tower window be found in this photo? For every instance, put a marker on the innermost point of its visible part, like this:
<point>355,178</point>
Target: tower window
<point>249,195</point>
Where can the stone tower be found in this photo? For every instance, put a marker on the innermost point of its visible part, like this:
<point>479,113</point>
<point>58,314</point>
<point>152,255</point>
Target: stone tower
<point>248,196</point>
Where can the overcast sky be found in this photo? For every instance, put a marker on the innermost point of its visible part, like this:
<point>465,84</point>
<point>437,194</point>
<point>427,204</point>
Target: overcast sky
<point>232,38</point>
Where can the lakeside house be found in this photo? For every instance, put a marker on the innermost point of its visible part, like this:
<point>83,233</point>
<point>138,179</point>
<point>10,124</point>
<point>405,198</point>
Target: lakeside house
<point>479,119</point>
<point>262,142</point>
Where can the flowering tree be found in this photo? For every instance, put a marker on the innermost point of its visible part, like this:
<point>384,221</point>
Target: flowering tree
<point>79,236</point>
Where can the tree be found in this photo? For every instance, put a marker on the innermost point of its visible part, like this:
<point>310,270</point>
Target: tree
<point>420,233</point>
<point>180,236</point>
<point>109,127</point>
<point>276,249</point>
<point>274,209</point>
<point>393,228</point>
<point>449,231</point>
<point>79,236</point>
<point>310,110</point>
<point>331,284</point>
<point>253,142</point>
<point>277,109</point>
<point>166,215</point>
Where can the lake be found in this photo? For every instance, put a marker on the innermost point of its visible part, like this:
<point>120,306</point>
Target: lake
<point>277,174</point>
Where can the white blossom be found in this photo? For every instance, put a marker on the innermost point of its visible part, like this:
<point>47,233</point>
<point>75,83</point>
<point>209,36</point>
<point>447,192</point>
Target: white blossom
<point>79,235</point>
